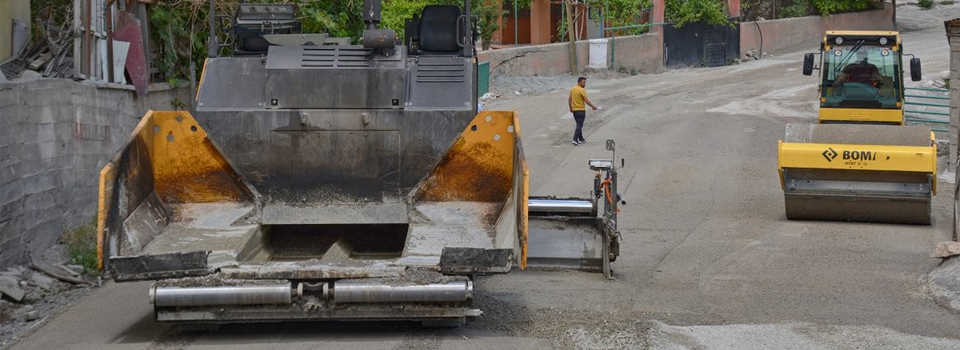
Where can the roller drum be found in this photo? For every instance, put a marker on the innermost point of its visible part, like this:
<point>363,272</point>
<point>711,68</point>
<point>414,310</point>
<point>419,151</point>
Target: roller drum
<point>230,295</point>
<point>575,207</point>
<point>881,192</point>
<point>361,292</point>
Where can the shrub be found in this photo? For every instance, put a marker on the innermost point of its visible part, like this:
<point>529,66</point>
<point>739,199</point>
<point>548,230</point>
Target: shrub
<point>81,245</point>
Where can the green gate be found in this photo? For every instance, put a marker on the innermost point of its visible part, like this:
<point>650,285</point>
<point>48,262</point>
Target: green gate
<point>483,78</point>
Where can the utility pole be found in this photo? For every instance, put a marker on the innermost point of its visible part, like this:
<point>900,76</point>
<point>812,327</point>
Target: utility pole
<point>574,69</point>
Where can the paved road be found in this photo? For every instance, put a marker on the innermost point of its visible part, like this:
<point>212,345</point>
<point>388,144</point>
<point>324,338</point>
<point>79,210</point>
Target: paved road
<point>708,258</point>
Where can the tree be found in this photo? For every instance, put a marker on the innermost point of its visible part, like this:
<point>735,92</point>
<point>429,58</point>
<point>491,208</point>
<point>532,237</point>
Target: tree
<point>619,13</point>
<point>827,7</point>
<point>343,18</point>
<point>488,14</point>
<point>680,12</point>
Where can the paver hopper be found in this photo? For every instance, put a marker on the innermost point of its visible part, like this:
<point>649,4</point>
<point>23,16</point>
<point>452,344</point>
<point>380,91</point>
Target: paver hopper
<point>334,182</point>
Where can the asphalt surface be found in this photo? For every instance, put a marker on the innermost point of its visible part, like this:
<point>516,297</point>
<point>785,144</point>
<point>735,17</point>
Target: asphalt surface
<point>708,258</point>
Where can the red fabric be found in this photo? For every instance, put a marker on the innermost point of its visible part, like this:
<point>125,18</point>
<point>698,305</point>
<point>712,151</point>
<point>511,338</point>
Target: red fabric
<point>136,63</point>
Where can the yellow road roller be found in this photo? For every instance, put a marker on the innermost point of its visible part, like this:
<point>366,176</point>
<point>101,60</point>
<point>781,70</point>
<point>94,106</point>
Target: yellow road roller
<point>859,162</point>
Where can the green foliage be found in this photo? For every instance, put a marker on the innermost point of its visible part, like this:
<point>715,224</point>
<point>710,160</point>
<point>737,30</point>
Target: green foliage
<point>828,7</point>
<point>798,8</point>
<point>617,13</point>
<point>179,31</point>
<point>620,13</point>
<point>58,11</point>
<point>178,104</point>
<point>751,10</point>
<point>342,18</point>
<point>680,12</point>
<point>948,2</point>
<point>81,245</point>
<point>488,13</point>
<point>395,12</point>
<point>521,4</point>
<point>925,4</point>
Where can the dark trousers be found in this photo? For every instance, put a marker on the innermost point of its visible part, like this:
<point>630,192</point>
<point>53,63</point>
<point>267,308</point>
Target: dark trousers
<point>579,116</point>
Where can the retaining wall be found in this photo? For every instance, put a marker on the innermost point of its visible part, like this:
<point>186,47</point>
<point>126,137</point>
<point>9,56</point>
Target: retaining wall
<point>55,136</point>
<point>643,53</point>
<point>806,33</point>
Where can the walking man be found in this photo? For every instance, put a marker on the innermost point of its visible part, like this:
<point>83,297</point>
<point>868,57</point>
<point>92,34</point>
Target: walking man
<point>578,101</point>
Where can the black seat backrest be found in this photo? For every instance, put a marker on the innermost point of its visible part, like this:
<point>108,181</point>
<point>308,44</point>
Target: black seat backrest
<point>250,40</point>
<point>438,28</point>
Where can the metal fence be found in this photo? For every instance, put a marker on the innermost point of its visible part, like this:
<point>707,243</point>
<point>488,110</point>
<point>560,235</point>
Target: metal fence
<point>928,106</point>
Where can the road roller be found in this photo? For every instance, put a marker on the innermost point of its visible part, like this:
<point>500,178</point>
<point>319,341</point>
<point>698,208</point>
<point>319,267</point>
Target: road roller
<point>859,162</point>
<point>318,180</point>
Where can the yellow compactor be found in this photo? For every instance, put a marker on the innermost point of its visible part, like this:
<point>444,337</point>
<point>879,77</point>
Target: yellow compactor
<point>859,162</point>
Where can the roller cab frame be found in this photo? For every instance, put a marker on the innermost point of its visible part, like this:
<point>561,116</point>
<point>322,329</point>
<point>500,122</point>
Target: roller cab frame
<point>849,91</point>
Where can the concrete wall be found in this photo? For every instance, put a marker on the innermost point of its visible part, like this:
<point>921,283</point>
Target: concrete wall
<point>55,135</point>
<point>643,53</point>
<point>805,33</point>
<point>953,37</point>
<point>545,60</point>
<point>10,10</point>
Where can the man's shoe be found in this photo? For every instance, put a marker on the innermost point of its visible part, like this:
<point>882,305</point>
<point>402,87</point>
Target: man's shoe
<point>575,143</point>
<point>583,140</point>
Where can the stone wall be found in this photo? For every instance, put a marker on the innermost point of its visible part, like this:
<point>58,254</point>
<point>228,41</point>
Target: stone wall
<point>55,136</point>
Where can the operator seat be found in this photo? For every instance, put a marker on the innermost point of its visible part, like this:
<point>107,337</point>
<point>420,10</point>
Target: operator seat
<point>438,29</point>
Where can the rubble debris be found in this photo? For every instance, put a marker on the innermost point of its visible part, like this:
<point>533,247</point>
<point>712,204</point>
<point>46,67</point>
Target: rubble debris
<point>30,75</point>
<point>42,281</point>
<point>77,269</point>
<point>73,271</point>
<point>53,271</point>
<point>49,57</point>
<point>18,316</point>
<point>10,288</point>
<point>946,250</point>
<point>33,315</point>
<point>16,272</point>
<point>11,280</point>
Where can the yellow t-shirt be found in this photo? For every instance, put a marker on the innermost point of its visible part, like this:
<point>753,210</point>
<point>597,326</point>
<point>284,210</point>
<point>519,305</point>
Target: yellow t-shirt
<point>577,94</point>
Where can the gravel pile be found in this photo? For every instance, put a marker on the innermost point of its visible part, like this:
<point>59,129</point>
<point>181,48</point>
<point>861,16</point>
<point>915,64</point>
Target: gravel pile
<point>505,88</point>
